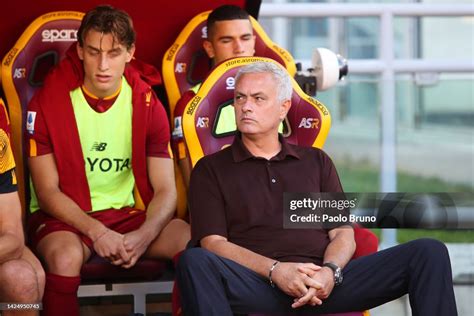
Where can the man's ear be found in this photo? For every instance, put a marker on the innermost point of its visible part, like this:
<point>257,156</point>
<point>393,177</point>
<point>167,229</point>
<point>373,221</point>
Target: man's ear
<point>284,108</point>
<point>130,53</point>
<point>207,45</point>
<point>80,51</point>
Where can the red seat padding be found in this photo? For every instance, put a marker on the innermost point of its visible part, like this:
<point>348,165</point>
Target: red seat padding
<point>366,242</point>
<point>97,268</point>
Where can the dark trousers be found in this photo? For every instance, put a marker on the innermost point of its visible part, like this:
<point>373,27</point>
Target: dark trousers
<point>212,285</point>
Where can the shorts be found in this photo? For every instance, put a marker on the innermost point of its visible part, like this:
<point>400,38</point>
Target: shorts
<point>122,221</point>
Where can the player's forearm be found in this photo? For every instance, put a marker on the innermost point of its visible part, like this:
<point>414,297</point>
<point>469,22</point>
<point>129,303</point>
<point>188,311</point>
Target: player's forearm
<point>341,247</point>
<point>255,262</point>
<point>160,211</point>
<point>11,247</point>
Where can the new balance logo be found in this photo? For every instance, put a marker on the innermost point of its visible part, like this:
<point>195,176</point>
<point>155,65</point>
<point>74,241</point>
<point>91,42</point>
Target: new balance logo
<point>99,146</point>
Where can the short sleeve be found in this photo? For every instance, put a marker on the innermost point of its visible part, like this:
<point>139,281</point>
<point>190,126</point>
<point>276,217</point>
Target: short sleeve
<point>330,181</point>
<point>177,139</point>
<point>206,203</point>
<point>158,132</point>
<point>38,142</point>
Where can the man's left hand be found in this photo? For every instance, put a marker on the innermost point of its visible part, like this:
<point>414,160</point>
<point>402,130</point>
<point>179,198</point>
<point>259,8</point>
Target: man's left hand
<point>136,243</point>
<point>325,277</point>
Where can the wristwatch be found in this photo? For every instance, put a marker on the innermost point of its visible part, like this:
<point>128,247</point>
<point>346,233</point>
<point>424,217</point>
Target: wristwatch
<point>337,272</point>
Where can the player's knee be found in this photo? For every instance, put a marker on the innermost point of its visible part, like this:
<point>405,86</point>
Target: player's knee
<point>66,262</point>
<point>179,232</point>
<point>19,281</point>
<point>40,276</point>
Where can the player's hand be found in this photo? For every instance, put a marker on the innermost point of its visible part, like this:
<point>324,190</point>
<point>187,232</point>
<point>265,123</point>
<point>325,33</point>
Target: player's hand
<point>136,243</point>
<point>109,245</point>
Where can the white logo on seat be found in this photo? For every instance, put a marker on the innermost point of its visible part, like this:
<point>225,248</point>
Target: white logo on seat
<point>19,73</point>
<point>309,122</point>
<point>230,83</point>
<point>54,35</point>
<point>202,122</point>
<point>180,68</point>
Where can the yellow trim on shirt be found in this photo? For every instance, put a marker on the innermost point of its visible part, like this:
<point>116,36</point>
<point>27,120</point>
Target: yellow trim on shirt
<point>33,148</point>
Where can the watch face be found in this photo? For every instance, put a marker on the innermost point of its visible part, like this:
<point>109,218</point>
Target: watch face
<point>338,276</point>
<point>337,272</point>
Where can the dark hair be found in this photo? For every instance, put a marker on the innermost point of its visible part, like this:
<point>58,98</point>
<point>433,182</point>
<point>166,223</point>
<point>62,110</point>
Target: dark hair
<point>108,20</point>
<point>225,13</point>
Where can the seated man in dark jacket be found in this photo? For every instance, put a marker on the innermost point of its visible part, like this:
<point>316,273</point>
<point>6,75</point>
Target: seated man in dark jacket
<point>249,263</point>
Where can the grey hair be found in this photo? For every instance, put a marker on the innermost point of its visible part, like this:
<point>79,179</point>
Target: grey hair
<point>279,74</point>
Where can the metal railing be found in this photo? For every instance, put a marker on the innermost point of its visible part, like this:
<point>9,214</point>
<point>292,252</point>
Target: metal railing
<point>386,65</point>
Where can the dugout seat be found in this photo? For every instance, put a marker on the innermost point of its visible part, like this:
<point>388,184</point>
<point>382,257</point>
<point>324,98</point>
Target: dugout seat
<point>307,124</point>
<point>186,64</point>
<point>42,45</point>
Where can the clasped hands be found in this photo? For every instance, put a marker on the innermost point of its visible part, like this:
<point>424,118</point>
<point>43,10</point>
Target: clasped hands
<point>306,282</point>
<point>122,249</point>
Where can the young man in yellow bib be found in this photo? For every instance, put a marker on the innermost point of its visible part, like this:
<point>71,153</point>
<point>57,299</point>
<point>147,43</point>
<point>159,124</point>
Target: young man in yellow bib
<point>100,162</point>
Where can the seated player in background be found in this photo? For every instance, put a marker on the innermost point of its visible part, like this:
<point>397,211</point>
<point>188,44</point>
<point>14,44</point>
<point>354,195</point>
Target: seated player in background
<point>21,273</point>
<point>229,35</point>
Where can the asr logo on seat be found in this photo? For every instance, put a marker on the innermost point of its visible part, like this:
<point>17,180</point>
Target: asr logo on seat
<point>180,68</point>
<point>202,122</point>
<point>204,32</point>
<point>309,122</point>
<point>19,73</point>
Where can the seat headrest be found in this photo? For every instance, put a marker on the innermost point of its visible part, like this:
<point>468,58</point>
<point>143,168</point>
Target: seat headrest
<point>308,119</point>
<point>40,47</point>
<point>25,66</point>
<point>185,63</point>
